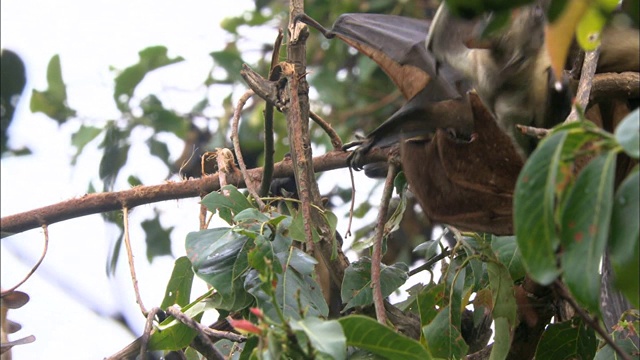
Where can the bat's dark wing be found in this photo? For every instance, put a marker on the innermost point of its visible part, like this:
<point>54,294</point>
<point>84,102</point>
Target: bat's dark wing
<point>397,45</point>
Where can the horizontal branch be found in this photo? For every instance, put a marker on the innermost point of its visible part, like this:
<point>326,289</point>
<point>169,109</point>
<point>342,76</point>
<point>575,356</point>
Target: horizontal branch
<point>103,202</point>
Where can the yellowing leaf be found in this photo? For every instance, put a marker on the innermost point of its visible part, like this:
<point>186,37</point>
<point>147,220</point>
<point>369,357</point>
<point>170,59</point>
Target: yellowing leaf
<point>560,33</point>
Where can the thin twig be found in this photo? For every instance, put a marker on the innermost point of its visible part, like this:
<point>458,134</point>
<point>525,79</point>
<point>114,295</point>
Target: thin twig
<point>45,228</point>
<point>592,322</point>
<point>211,351</point>
<point>336,142</point>
<point>132,268</point>
<point>538,133</point>
<point>584,88</point>
<point>236,147</point>
<point>144,340</point>
<point>353,202</point>
<point>267,174</point>
<point>376,258</point>
<point>427,265</point>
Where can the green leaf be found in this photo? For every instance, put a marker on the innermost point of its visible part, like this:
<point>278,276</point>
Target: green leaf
<point>501,286</point>
<point>607,353</point>
<point>53,101</point>
<point>158,238</point>
<point>325,336</point>
<point>162,119</point>
<point>624,246</point>
<point>534,209</point>
<point>171,334</point>
<point>114,157</point>
<point>506,249</point>
<point>444,339</point>
<point>227,206</point>
<point>585,228</point>
<point>428,299</point>
<point>134,180</point>
<point>151,58</point>
<point>159,149</point>
<point>297,286</point>
<point>504,311</point>
<point>81,138</point>
<point>502,339</point>
<point>231,61</point>
<point>356,285</point>
<point>366,333</point>
<point>570,339</point>
<point>628,134</point>
<point>179,287</point>
<point>219,257</point>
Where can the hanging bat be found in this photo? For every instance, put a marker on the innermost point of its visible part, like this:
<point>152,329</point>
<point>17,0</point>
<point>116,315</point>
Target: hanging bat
<point>510,70</point>
<point>396,44</point>
<point>472,195</point>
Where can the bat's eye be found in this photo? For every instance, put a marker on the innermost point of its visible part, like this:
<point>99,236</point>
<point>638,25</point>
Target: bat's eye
<point>538,13</point>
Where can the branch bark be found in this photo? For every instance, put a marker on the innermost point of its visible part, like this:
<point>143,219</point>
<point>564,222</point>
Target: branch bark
<point>103,202</point>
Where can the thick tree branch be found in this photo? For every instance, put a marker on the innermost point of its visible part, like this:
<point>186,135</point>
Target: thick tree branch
<point>103,202</point>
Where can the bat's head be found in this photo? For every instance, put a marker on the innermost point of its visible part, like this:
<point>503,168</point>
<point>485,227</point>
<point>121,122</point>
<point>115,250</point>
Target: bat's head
<point>523,37</point>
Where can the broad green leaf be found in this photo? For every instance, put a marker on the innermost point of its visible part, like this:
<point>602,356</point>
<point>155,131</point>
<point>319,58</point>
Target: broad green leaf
<point>585,228</point>
<point>81,138</point>
<point>457,287</point>
<point>534,209</point>
<point>502,339</point>
<point>356,285</point>
<point>429,300</point>
<point>251,215</point>
<point>624,246</point>
<point>628,134</point>
<point>53,101</point>
<point>134,180</point>
<point>230,60</point>
<point>506,249</point>
<point>607,353</point>
<point>296,287</point>
<point>179,287</point>
<point>504,311</point>
<point>219,257</point>
<point>501,286</point>
<point>227,206</point>
<point>162,119</point>
<point>570,339</point>
<point>366,333</point>
<point>114,157</point>
<point>160,150</point>
<point>151,58</point>
<point>158,238</point>
<point>326,336</point>
<point>443,338</point>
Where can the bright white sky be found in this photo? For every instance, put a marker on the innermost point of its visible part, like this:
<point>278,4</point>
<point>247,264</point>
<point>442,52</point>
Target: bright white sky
<point>70,293</point>
<point>70,290</point>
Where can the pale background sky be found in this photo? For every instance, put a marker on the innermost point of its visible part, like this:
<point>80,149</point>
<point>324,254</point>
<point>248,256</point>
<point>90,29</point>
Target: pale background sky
<point>71,296</point>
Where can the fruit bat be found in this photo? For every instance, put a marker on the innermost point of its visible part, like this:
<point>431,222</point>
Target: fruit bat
<point>396,44</point>
<point>437,128</point>
<point>510,69</point>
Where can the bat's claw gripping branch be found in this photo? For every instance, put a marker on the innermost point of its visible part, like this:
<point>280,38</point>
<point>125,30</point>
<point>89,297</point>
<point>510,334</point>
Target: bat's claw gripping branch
<point>306,19</point>
<point>268,90</point>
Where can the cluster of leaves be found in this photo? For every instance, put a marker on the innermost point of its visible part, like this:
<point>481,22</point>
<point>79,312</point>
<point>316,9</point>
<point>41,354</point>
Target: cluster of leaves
<point>582,215</point>
<point>258,273</point>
